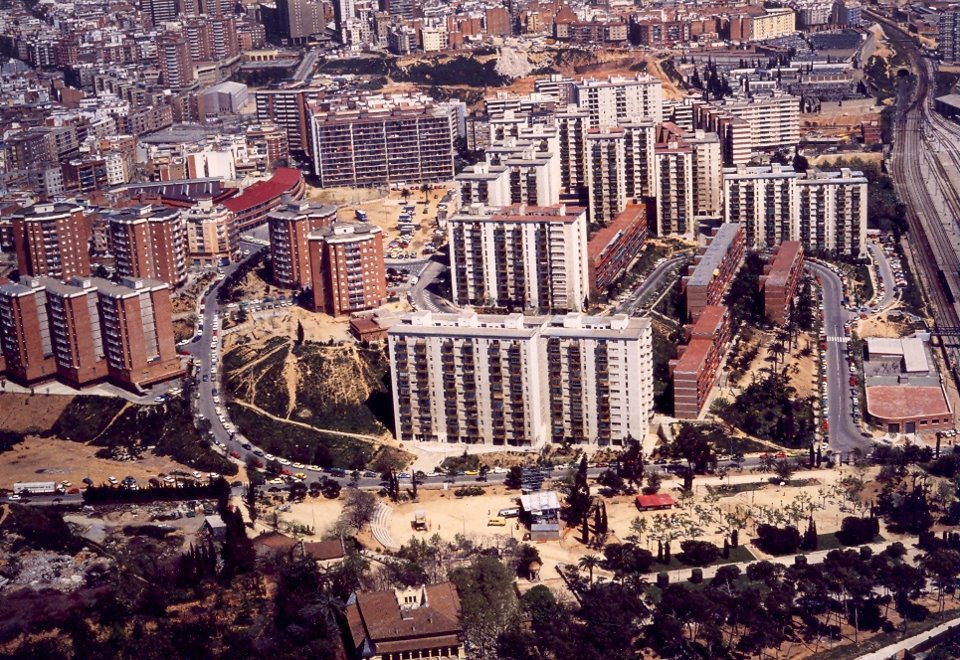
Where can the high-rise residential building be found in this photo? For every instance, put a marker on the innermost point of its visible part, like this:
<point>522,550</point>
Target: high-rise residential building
<point>176,65</point>
<point>697,366</point>
<point>52,239</point>
<point>573,124</point>
<point>346,268</point>
<point>674,182</point>
<point>384,140</point>
<point>772,23</point>
<point>521,381</point>
<point>287,107</point>
<point>748,124</point>
<point>832,212</point>
<point>606,174</point>
<point>289,224</point>
<point>212,233</point>
<point>137,331</point>
<point>268,143</point>
<point>75,332</point>
<point>707,174</point>
<point>763,200</point>
<point>781,279</point>
<point>713,269</point>
<point>25,332</point>
<point>86,330</point>
<point>299,19</point>
<point>520,257</point>
<point>640,162</point>
<point>483,183</point>
<point>948,34</point>
<point>149,241</point>
<point>533,175</point>
<point>615,100</point>
<point>159,11</point>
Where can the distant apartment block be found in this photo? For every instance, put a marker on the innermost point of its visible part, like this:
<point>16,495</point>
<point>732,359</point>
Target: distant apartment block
<point>780,281</point>
<point>948,32</point>
<point>383,141</point>
<point>616,100</point>
<point>713,269</point>
<point>763,200</point>
<point>346,268</point>
<point>149,241</point>
<point>88,329</point>
<point>640,161</point>
<point>606,174</point>
<point>520,257</point>
<point>289,225</point>
<point>52,239</point>
<point>573,124</point>
<point>212,234</point>
<point>674,184</point>
<point>832,212</point>
<point>772,24</point>
<point>696,368</point>
<point>748,124</point>
<point>287,107</point>
<point>707,174</point>
<point>521,381</point>
<point>612,249</point>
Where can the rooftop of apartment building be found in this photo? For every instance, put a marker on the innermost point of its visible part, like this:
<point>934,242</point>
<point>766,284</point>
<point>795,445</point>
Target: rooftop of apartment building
<point>782,263</point>
<point>771,171</point>
<point>606,235</point>
<point>518,326</point>
<point>713,254</point>
<point>291,209</point>
<point>47,210</point>
<point>145,213</point>
<point>345,232</point>
<point>843,175</point>
<point>522,213</point>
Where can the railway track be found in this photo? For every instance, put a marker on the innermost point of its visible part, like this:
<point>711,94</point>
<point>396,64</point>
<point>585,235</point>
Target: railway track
<point>934,252</point>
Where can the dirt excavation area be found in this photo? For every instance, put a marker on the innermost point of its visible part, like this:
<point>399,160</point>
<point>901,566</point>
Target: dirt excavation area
<point>52,459</point>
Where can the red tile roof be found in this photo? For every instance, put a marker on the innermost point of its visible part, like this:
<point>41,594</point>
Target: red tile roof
<point>896,402</point>
<point>282,181</point>
<point>655,500</point>
<point>709,321</point>
<point>601,239</point>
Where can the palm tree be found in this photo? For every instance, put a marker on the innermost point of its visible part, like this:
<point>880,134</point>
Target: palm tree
<point>588,563</point>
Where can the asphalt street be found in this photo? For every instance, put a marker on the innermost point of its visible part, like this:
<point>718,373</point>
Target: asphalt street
<point>843,435</point>
<point>649,285</point>
<point>886,275</point>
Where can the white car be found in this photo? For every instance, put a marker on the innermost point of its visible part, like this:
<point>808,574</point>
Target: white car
<point>269,457</point>
<point>197,475</point>
<point>283,461</point>
<point>300,466</point>
<point>13,498</point>
<point>213,475</point>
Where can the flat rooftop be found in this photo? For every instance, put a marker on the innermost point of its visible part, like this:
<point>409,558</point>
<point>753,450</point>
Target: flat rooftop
<point>713,256</point>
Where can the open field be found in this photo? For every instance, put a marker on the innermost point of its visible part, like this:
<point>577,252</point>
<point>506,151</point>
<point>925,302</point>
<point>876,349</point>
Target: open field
<point>53,459</point>
<point>22,413</point>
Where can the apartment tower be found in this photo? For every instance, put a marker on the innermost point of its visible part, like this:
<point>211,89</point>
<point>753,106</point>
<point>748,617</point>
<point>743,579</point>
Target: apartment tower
<point>346,268</point>
<point>52,239</point>
<point>150,241</point>
<point>289,225</point>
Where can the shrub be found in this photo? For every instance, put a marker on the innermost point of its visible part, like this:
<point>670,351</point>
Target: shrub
<point>698,553</point>
<point>778,540</point>
<point>857,531</point>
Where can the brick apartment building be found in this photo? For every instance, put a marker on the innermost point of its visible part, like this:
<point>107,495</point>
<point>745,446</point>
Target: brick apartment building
<point>150,241</point>
<point>87,330</point>
<point>346,268</point>
<point>289,225</point>
<point>695,369</point>
<point>780,280</point>
<point>713,269</point>
<point>52,239</point>
<point>613,248</point>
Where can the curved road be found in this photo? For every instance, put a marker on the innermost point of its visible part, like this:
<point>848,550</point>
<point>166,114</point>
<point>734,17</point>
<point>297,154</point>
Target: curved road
<point>844,436</point>
<point>649,284</point>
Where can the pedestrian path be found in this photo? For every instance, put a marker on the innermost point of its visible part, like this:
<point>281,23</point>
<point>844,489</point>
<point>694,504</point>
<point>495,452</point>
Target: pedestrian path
<point>907,644</point>
<point>839,340</point>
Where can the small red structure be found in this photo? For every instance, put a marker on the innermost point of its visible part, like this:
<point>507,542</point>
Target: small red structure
<point>655,502</point>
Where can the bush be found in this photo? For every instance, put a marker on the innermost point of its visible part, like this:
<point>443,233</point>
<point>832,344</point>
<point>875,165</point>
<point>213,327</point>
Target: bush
<point>857,531</point>
<point>698,553</point>
<point>778,540</point>
<point>468,491</point>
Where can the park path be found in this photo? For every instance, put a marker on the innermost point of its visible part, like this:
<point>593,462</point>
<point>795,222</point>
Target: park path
<point>907,644</point>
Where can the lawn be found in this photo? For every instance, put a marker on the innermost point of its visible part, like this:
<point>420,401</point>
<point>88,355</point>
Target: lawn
<point>738,555</point>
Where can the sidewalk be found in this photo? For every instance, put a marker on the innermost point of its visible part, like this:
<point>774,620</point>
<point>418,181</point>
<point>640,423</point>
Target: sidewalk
<point>907,644</point>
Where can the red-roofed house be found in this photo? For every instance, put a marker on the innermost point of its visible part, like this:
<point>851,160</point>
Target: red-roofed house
<point>252,205</point>
<point>418,622</point>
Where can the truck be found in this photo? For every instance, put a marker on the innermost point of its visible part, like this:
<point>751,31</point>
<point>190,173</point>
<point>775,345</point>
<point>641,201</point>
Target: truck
<point>360,215</point>
<point>35,488</point>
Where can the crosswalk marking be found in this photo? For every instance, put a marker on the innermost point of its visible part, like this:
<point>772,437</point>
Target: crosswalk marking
<point>839,340</point>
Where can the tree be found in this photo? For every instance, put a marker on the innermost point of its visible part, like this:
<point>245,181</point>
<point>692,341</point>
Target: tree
<point>251,502</point>
<point>778,540</point>
<point>300,333</point>
<point>653,483</point>
<point>578,499</point>
<point>360,508</point>
<point>488,604</point>
<point>588,563</point>
<point>857,531</point>
<point>783,469</point>
<point>943,566</point>
<point>698,553</point>
<point>527,555</point>
<point>514,478</point>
